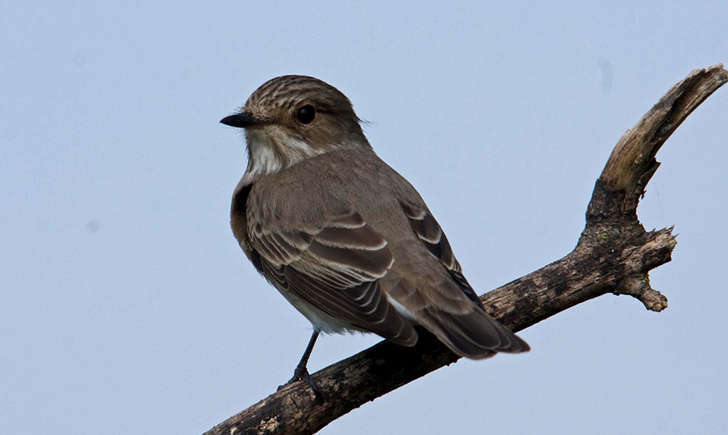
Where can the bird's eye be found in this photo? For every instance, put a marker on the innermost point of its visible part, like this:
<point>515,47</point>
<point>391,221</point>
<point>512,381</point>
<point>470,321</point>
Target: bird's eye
<point>306,114</point>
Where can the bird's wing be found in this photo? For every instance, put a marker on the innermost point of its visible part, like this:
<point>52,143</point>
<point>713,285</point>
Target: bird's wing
<point>444,302</point>
<point>428,231</point>
<point>335,267</point>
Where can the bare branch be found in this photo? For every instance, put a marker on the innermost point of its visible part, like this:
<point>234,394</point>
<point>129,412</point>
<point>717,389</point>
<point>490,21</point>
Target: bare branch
<point>614,255</point>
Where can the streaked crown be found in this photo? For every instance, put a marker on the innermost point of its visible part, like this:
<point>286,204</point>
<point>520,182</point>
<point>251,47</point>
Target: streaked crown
<point>286,93</point>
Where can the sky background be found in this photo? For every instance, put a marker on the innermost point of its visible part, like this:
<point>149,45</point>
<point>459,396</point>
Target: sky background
<point>128,307</point>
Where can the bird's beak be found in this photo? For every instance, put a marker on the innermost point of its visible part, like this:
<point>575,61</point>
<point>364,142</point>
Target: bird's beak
<point>240,120</point>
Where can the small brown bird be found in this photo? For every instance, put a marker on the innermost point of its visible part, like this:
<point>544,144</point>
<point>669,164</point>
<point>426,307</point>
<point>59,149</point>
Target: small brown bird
<point>346,239</point>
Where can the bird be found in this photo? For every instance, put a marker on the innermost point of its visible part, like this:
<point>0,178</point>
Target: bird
<point>346,239</point>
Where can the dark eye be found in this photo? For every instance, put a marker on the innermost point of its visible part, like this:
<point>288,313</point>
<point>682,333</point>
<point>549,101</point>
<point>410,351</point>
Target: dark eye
<point>306,114</point>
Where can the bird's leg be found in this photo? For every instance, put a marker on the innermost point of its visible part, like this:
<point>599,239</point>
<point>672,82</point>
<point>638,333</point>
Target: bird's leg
<point>301,373</point>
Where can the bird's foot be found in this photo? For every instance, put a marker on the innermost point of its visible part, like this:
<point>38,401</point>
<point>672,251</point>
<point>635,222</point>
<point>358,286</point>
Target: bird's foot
<point>301,374</point>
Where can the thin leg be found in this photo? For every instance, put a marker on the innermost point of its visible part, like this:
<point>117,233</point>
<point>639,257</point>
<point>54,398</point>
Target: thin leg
<point>301,373</point>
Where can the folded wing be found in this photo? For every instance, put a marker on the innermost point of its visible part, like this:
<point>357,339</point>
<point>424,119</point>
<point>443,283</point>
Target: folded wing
<point>446,304</point>
<point>335,268</point>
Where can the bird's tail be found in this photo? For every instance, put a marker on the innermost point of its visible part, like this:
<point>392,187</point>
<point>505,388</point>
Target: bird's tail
<point>475,335</point>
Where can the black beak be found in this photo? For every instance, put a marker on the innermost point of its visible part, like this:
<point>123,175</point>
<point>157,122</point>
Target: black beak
<point>240,120</point>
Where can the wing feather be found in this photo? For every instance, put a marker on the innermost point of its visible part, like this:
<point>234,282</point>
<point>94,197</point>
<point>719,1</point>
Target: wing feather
<point>465,328</point>
<point>336,270</point>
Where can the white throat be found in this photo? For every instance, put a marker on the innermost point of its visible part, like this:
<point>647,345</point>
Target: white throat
<point>263,158</point>
<point>272,150</point>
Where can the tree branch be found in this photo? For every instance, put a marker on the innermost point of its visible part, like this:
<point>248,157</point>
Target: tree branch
<point>614,255</point>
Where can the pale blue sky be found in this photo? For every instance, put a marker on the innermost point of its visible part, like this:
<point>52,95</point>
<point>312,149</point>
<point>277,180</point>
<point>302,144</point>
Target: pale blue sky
<point>127,306</point>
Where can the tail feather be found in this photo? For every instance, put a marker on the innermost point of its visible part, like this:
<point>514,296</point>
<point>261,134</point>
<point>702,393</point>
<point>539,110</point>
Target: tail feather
<point>474,335</point>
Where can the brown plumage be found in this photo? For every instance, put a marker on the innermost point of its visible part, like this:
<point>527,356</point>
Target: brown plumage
<point>345,238</point>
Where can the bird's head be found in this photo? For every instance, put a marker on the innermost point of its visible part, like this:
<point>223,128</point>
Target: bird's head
<point>292,118</point>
